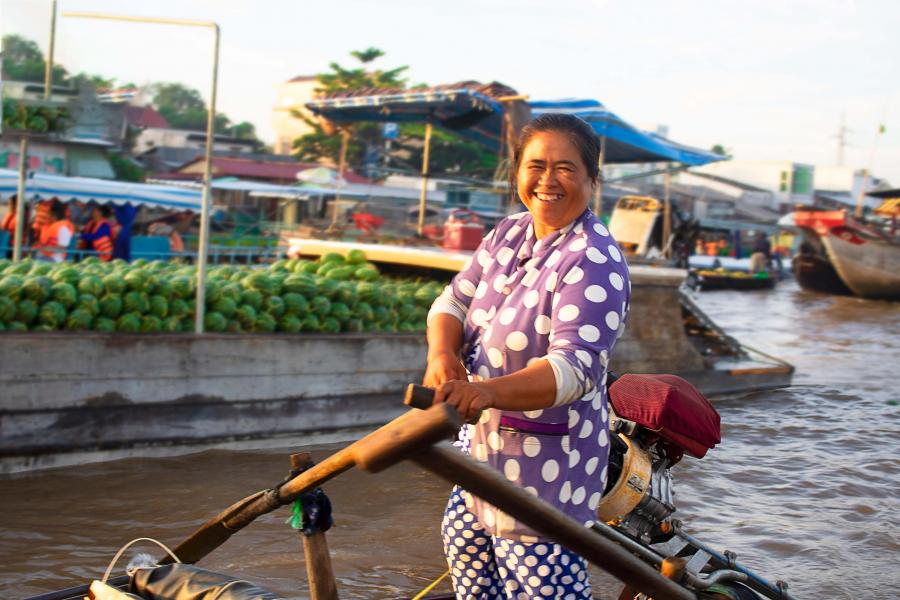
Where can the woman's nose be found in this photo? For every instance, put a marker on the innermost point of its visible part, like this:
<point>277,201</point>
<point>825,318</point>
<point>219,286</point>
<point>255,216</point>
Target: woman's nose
<point>547,177</point>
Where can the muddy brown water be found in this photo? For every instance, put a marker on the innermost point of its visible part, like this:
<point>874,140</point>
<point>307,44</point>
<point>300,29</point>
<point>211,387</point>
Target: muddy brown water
<point>804,486</point>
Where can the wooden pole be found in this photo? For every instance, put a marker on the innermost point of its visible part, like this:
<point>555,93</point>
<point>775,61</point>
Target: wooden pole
<point>319,572</point>
<point>667,215</point>
<point>598,190</point>
<point>420,229</point>
<point>48,65</point>
<point>342,166</point>
<point>20,200</point>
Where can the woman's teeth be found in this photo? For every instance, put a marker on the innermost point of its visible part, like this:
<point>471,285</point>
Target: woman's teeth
<point>548,197</point>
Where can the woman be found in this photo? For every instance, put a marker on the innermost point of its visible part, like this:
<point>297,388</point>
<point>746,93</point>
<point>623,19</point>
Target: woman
<point>520,341</point>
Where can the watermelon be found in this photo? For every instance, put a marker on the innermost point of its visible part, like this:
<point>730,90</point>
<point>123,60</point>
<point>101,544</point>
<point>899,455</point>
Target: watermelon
<point>79,320</point>
<point>89,303</point>
<point>214,321</point>
<point>341,273</point>
<point>64,293</point>
<point>114,284</point>
<point>405,311</point>
<point>330,325</point>
<point>274,305</point>
<point>301,265</point>
<point>136,281</point>
<point>37,288</point>
<point>151,324</point>
<point>309,268</point>
<point>259,281</point>
<point>91,284</point>
<point>213,290</point>
<point>182,286</point>
<point>11,286</point>
<point>246,315</point>
<point>301,284</point>
<point>224,305</point>
<point>346,293</point>
<point>265,323</point>
<point>340,311</point>
<point>163,287</point>
<point>325,268</point>
<point>321,306</point>
<point>104,324</point>
<point>171,325</point>
<point>52,314</point>
<point>363,310</point>
<point>290,324</point>
<point>252,298</point>
<point>7,309</point>
<point>291,264</point>
<point>237,276</point>
<point>16,327</point>
<point>139,262</point>
<point>382,314</point>
<point>66,274</point>
<point>327,287</point>
<point>26,311</point>
<point>311,323</point>
<point>366,273</point>
<point>356,256</point>
<point>353,326</point>
<point>233,326</point>
<point>367,291</point>
<point>136,302</point>
<point>279,265</point>
<point>232,290</point>
<point>111,306</point>
<point>159,307</point>
<point>331,257</point>
<point>295,304</point>
<point>178,308</point>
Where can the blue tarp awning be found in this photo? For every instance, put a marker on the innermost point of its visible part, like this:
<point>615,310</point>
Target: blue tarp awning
<point>467,112</point>
<point>41,186</point>
<point>626,143</point>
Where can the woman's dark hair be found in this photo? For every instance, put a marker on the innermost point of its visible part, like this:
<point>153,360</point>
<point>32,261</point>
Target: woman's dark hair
<point>58,210</point>
<point>579,132</point>
<point>105,210</point>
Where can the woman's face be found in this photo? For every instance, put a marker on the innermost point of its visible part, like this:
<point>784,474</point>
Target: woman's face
<point>552,181</point>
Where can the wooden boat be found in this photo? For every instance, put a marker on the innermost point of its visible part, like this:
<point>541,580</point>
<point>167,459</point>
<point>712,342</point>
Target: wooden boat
<point>722,279</point>
<point>865,257</point>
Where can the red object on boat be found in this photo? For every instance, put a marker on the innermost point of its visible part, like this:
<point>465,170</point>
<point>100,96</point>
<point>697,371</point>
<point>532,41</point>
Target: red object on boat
<point>670,407</point>
<point>820,221</point>
<point>367,222</point>
<point>463,230</point>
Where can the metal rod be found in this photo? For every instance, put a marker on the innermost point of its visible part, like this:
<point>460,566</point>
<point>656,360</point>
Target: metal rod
<point>157,20</point>
<point>421,226</point>
<point>20,200</point>
<point>202,251</point>
<point>667,215</point>
<point>48,66</point>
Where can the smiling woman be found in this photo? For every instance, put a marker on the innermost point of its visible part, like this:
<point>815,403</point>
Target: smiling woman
<point>519,344</point>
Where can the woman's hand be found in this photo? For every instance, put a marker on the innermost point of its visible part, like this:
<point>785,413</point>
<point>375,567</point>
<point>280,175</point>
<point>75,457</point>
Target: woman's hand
<point>468,398</point>
<point>442,368</point>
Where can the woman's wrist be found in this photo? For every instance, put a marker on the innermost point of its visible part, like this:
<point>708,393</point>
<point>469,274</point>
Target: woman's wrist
<point>441,353</point>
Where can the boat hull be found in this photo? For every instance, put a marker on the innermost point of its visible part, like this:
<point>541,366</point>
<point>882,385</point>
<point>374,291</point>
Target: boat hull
<point>868,265</point>
<point>816,273</point>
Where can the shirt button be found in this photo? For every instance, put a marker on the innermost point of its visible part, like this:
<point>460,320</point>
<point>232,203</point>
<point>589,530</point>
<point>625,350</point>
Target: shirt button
<point>507,291</point>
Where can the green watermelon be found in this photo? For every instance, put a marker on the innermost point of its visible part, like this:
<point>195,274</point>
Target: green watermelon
<point>79,320</point>
<point>224,305</point>
<point>137,281</point>
<point>321,306</point>
<point>340,311</point>
<point>290,324</point>
<point>341,273</point>
<point>331,257</point>
<point>233,326</point>
<point>366,272</point>
<point>265,323</point>
<point>367,291</point>
<point>274,305</point>
<point>90,284</point>
<point>246,315</point>
<point>213,290</point>
<point>311,323</point>
<point>178,308</point>
<point>115,284</point>
<point>137,302</point>
<point>64,293</point>
<point>182,286</point>
<point>104,324</point>
<point>327,287</point>
<point>52,314</point>
<point>252,298</point>
<point>295,304</point>
<point>163,287</point>
<point>309,268</point>
<point>159,307</point>
<point>214,321</point>
<point>37,288</point>
<point>232,290</point>
<point>151,324</point>
<point>346,293</point>
<point>11,286</point>
<point>363,310</point>
<point>16,327</point>
<point>89,303</point>
<point>279,265</point>
<point>353,326</point>
<point>111,306</point>
<point>259,281</point>
<point>330,325</point>
<point>26,311</point>
<point>7,309</point>
<point>172,325</point>
<point>66,274</point>
<point>356,256</point>
<point>301,284</point>
<point>325,268</point>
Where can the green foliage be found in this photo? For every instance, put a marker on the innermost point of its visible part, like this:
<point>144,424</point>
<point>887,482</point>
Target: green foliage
<point>24,61</point>
<point>184,108</point>
<point>125,168</point>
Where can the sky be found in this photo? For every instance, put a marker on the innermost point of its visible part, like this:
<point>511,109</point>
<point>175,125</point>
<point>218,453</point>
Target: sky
<point>769,80</point>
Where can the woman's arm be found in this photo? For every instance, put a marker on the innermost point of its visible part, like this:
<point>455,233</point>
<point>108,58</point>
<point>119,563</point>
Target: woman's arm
<point>445,337</point>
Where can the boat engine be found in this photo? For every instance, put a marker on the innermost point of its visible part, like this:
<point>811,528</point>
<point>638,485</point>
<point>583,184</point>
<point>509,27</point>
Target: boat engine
<point>654,420</point>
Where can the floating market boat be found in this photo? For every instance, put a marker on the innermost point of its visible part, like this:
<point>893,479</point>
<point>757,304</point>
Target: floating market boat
<point>865,256</point>
<point>724,279</point>
<point>657,420</point>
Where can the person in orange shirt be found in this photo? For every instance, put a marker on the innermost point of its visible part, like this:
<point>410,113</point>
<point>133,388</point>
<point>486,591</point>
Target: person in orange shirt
<point>97,234</point>
<point>9,225</point>
<point>42,216</point>
<point>54,241</point>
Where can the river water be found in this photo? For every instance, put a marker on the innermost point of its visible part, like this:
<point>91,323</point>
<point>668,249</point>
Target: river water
<point>805,486</point>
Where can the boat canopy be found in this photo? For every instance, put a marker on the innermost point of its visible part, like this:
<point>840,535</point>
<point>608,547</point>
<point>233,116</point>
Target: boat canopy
<point>41,186</point>
<point>472,113</point>
<point>624,142</point>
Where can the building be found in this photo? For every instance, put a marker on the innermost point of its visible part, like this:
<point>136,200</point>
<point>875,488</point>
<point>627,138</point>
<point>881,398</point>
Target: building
<point>290,96</point>
<point>790,183</point>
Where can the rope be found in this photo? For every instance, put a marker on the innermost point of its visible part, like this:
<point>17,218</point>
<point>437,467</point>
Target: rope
<point>431,586</point>
<point>127,546</point>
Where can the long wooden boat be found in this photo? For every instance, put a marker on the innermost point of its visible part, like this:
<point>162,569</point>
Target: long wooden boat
<point>866,259</point>
<point>707,280</point>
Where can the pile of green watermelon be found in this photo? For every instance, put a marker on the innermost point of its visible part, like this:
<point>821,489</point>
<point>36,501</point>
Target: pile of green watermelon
<point>333,294</point>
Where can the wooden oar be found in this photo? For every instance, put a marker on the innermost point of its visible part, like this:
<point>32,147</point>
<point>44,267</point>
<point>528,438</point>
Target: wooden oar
<point>402,438</point>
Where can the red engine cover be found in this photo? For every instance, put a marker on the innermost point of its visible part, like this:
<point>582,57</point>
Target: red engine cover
<point>669,406</point>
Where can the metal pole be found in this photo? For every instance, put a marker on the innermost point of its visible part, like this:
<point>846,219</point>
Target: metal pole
<point>48,66</point>
<point>203,250</point>
<point>598,190</point>
<point>421,227</point>
<point>667,215</point>
<point>861,196</point>
<point>20,199</point>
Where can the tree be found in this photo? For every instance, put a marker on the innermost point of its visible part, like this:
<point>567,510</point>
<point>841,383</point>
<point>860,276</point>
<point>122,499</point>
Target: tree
<point>24,61</point>
<point>184,108</point>
<point>721,150</point>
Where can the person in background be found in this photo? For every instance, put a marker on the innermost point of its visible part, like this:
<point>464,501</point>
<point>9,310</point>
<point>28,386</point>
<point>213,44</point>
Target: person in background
<point>9,225</point>
<point>518,344</point>
<point>762,254</point>
<point>55,237</point>
<point>42,216</point>
<point>97,234</point>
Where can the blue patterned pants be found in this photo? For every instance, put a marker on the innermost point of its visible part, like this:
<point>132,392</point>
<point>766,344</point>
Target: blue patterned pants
<point>486,567</point>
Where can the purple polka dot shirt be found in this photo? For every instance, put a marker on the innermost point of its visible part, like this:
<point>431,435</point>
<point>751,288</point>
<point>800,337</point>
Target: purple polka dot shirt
<point>567,295</point>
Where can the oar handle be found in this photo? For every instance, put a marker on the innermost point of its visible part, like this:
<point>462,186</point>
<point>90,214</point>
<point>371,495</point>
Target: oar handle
<point>418,396</point>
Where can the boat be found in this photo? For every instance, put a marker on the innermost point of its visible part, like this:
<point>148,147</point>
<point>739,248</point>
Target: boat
<point>658,420</point>
<point>864,255</point>
<point>725,279</point>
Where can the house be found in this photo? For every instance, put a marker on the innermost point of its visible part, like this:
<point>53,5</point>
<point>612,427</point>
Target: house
<point>790,183</point>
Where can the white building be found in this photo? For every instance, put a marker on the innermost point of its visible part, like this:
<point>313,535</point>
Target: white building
<point>292,95</point>
<point>159,137</point>
<point>790,183</point>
